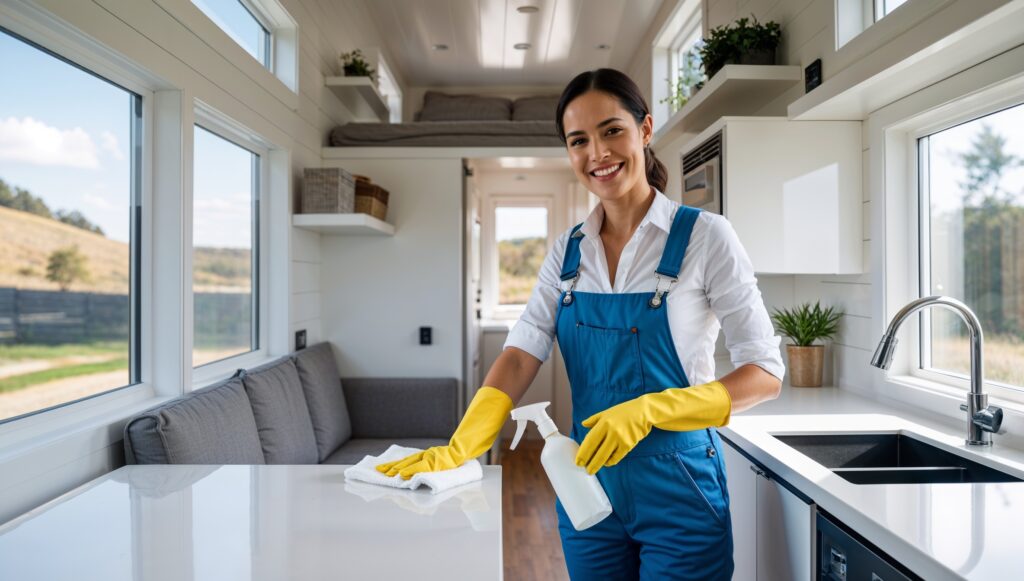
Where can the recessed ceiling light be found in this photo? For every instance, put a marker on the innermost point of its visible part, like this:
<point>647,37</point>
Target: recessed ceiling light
<point>440,47</point>
<point>603,46</point>
<point>527,9</point>
<point>521,46</point>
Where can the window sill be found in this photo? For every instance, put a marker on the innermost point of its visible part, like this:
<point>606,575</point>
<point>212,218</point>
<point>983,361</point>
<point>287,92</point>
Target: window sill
<point>944,400</point>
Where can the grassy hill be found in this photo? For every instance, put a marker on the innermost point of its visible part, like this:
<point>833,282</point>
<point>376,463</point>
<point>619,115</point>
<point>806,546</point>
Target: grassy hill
<point>29,239</point>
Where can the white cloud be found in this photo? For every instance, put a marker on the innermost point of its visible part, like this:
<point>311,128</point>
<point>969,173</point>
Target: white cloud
<point>108,141</point>
<point>29,141</point>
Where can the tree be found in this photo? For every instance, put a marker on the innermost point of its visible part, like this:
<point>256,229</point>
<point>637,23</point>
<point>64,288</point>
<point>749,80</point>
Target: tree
<point>65,266</point>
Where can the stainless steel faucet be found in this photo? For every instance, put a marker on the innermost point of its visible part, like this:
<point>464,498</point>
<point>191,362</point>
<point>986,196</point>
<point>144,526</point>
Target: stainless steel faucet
<point>982,419</point>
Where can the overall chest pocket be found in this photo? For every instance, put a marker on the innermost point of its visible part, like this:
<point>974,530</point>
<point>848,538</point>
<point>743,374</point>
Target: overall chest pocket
<point>607,359</point>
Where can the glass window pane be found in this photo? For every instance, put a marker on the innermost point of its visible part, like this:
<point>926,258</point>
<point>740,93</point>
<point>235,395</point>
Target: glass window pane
<point>522,237</point>
<point>974,184</point>
<point>67,157</point>
<point>240,24</point>
<point>225,187</point>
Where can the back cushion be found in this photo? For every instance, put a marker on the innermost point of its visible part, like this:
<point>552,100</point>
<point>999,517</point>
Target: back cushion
<point>282,417</point>
<point>444,107</point>
<point>214,425</point>
<point>322,385</point>
<point>534,109</point>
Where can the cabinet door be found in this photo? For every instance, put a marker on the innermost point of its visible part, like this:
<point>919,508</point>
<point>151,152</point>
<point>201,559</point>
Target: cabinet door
<point>785,533</point>
<point>742,484</point>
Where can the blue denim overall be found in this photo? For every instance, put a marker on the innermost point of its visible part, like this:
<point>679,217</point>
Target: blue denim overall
<point>671,508</point>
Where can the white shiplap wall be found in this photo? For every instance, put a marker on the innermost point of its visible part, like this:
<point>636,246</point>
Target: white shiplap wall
<point>164,39</point>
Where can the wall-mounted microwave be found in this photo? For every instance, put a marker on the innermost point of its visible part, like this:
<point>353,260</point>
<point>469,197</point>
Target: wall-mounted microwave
<point>702,175</point>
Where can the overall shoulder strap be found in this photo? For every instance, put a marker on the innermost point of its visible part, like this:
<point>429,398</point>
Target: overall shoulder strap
<point>571,260</point>
<point>678,241</point>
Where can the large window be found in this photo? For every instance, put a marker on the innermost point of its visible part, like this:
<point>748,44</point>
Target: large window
<point>972,243</point>
<point>225,252</point>
<point>69,210</point>
<point>240,21</point>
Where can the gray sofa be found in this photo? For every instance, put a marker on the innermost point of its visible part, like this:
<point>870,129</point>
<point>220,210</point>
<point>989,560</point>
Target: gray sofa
<point>294,410</point>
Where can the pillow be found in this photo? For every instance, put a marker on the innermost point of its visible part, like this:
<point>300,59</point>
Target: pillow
<point>281,413</point>
<point>321,383</point>
<point>534,108</point>
<point>444,107</point>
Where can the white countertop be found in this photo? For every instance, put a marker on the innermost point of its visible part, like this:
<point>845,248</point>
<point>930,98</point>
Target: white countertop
<point>256,522</point>
<point>939,531</point>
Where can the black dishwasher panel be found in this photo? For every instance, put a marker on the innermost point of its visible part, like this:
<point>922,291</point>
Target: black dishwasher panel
<point>842,556</point>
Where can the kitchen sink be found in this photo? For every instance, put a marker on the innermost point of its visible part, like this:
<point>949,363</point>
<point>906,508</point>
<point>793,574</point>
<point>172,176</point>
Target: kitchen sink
<point>890,458</point>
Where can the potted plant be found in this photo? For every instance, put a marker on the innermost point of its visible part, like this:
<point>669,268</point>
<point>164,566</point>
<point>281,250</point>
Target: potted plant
<point>745,42</point>
<point>804,325</point>
<point>689,80</point>
<point>354,65</point>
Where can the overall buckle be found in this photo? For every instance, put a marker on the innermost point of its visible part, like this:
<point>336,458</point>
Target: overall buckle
<point>659,292</point>
<point>567,299</point>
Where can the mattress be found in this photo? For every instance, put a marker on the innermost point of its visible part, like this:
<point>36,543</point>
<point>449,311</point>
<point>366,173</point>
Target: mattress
<point>448,134</point>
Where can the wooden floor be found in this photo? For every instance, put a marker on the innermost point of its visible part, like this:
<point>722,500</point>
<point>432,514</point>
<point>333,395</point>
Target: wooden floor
<point>532,548</point>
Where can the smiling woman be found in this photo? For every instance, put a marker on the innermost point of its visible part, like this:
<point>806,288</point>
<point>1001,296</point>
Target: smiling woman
<point>67,328</point>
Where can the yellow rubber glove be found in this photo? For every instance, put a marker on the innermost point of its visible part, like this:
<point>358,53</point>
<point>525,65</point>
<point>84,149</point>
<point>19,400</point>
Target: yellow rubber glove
<point>618,429</point>
<point>475,434</point>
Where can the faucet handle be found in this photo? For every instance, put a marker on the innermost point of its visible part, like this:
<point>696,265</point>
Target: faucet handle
<point>989,419</point>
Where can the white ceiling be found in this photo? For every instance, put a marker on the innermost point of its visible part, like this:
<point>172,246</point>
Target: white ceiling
<point>480,35</point>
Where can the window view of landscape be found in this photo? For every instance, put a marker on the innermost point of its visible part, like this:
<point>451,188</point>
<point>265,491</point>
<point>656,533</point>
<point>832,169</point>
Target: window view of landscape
<point>65,214</point>
<point>224,187</point>
<point>975,187</point>
<point>522,238</point>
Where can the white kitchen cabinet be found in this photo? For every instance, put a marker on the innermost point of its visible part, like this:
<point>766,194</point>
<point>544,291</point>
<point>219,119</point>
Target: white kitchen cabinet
<point>773,528</point>
<point>792,190</point>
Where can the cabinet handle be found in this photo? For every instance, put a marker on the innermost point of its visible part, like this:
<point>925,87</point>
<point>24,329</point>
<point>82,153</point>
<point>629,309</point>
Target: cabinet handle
<point>759,472</point>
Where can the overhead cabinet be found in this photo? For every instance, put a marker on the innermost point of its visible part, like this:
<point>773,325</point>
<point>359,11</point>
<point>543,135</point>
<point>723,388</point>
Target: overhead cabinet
<point>792,191</point>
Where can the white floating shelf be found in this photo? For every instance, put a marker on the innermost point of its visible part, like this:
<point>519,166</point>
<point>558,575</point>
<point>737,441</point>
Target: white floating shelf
<point>734,90</point>
<point>356,224</point>
<point>360,96</point>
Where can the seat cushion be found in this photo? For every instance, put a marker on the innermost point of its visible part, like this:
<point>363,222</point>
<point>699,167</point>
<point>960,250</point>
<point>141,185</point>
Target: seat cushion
<point>321,383</point>
<point>281,414</point>
<point>354,450</point>
<point>214,425</point>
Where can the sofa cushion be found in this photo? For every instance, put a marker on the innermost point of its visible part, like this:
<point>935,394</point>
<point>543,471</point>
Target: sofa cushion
<point>321,383</point>
<point>354,450</point>
<point>214,425</point>
<point>281,414</point>
<point>534,109</point>
<point>402,407</point>
<point>439,106</point>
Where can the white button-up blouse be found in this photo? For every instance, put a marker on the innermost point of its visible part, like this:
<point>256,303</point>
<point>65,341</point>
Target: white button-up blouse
<point>716,290</point>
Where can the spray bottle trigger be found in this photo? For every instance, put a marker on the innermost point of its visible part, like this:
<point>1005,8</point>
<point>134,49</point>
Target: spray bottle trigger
<point>520,429</point>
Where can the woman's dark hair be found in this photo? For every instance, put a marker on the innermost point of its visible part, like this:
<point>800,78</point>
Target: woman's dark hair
<point>618,85</point>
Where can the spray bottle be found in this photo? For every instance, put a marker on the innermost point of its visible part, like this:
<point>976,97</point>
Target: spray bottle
<point>581,494</point>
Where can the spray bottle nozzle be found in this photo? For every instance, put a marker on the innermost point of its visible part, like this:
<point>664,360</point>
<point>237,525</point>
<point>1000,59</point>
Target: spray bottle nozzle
<point>535,412</point>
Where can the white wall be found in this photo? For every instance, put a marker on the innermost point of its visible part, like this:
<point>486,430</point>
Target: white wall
<point>150,35</point>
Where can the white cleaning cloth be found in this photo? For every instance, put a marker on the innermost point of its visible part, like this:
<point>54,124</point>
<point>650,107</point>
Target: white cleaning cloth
<point>365,471</point>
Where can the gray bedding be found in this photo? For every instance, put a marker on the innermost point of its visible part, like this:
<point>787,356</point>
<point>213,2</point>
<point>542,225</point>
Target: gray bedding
<point>448,134</point>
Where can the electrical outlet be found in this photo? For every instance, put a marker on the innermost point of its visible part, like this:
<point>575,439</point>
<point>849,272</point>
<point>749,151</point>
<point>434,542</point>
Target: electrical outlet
<point>300,339</point>
<point>426,335</point>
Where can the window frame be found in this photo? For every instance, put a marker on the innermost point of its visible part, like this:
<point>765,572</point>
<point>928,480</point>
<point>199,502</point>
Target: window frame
<point>893,132</point>
<point>489,255</point>
<point>224,127</point>
<point>922,327</point>
<point>686,16</point>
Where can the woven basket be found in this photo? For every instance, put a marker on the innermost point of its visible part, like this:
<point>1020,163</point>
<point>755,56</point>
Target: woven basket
<point>371,199</point>
<point>327,190</point>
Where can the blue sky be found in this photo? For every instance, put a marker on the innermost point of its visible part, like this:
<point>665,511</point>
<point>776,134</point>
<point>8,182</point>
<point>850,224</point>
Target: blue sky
<point>64,136</point>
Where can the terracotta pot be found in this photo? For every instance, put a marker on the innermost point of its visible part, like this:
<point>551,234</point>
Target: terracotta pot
<point>805,365</point>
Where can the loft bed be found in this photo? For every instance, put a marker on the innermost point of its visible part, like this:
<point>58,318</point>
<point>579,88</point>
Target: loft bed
<point>461,121</point>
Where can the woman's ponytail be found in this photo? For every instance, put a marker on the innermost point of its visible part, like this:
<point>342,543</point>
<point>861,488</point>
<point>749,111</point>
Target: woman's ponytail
<point>657,173</point>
